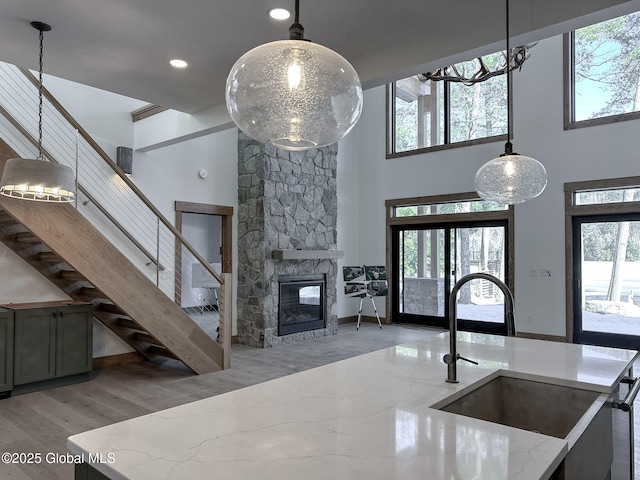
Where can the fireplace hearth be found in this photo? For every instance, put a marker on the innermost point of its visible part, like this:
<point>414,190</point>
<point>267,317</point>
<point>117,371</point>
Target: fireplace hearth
<point>301,304</point>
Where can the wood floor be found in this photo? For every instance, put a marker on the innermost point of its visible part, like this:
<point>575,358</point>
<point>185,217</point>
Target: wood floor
<point>41,422</point>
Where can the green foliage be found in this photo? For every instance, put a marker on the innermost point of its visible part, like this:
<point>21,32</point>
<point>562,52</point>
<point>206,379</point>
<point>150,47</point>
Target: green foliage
<point>406,125</point>
<point>479,110</point>
<point>608,53</point>
<point>599,242</point>
<point>410,249</point>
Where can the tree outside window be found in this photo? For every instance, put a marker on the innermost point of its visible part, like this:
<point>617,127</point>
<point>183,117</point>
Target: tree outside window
<point>606,69</point>
<point>429,113</point>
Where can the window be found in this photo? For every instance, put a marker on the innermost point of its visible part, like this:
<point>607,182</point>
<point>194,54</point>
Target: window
<point>429,115</point>
<point>614,195</point>
<point>450,208</point>
<point>604,72</point>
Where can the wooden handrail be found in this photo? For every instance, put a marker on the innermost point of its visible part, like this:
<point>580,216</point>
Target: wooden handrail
<point>83,133</point>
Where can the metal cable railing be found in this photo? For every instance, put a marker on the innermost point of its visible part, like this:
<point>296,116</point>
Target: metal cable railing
<point>109,199</point>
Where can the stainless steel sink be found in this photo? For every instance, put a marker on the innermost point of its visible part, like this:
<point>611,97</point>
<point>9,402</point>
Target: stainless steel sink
<point>582,417</point>
<point>540,407</point>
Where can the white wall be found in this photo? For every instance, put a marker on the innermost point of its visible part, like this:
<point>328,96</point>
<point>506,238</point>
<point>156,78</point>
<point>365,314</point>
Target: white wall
<point>348,178</point>
<point>584,154</point>
<point>106,116</point>
<point>170,174</point>
<point>22,284</point>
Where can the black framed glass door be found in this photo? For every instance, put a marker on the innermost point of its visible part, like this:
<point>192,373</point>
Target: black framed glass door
<point>606,264</point>
<point>429,259</point>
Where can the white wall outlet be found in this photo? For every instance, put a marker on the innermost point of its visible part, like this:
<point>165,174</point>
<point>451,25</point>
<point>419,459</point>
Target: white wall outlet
<point>545,272</point>
<point>529,318</point>
<point>533,272</point>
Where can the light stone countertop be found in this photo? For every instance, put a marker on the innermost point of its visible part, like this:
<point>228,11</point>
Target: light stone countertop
<point>367,417</point>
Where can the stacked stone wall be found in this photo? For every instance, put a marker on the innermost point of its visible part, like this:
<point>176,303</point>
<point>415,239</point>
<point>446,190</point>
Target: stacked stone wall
<point>287,201</point>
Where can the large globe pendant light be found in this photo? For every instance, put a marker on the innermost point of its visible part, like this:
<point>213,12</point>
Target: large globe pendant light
<point>38,179</point>
<point>510,178</point>
<point>294,94</point>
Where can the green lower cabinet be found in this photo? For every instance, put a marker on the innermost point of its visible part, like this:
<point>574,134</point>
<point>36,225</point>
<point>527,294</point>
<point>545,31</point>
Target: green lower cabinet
<point>52,342</point>
<point>74,340</point>
<point>35,349</point>
<point>6,350</point>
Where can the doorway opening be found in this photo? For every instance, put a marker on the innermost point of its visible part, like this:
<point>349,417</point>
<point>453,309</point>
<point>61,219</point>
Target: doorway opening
<point>208,228</point>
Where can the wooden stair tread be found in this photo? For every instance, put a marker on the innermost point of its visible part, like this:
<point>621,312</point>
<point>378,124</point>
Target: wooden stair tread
<point>26,237</point>
<point>133,334</point>
<point>6,218</point>
<point>161,351</point>
<point>110,308</point>
<point>124,328</point>
<point>72,275</point>
<point>91,292</point>
<point>130,324</point>
<point>146,338</point>
<point>50,257</point>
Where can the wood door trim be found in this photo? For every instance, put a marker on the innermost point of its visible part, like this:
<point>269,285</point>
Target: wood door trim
<point>225,212</point>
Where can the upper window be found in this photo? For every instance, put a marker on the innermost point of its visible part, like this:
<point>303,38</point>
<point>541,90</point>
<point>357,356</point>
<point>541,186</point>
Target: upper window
<point>615,195</point>
<point>426,115</point>
<point>444,208</point>
<point>605,72</point>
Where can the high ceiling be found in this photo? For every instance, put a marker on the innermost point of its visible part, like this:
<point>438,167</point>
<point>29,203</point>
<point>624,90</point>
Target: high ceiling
<point>124,46</point>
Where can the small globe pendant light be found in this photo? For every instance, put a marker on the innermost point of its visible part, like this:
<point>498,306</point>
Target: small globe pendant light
<point>294,94</point>
<point>511,178</point>
<point>38,179</point>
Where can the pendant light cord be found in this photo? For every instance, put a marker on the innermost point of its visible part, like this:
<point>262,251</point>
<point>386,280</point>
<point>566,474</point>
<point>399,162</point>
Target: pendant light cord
<point>296,30</point>
<point>508,147</point>
<point>40,156</point>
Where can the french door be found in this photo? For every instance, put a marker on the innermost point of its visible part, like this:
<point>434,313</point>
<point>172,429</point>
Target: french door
<point>429,259</point>
<point>606,273</point>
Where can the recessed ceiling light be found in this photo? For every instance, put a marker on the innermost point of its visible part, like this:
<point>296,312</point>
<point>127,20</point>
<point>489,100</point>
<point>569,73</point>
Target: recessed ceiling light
<point>279,14</point>
<point>176,62</point>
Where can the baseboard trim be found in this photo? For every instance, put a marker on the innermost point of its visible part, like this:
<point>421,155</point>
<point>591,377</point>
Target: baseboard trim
<point>113,360</point>
<point>541,336</point>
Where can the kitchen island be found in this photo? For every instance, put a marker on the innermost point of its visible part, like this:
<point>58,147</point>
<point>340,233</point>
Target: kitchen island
<point>368,417</point>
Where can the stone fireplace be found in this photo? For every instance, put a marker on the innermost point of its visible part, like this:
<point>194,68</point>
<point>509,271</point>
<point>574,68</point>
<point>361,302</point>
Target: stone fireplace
<point>287,216</point>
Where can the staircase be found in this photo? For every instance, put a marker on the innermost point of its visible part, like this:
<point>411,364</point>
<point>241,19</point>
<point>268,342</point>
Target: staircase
<point>61,244</point>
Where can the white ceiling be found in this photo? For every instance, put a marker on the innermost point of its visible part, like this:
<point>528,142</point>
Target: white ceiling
<point>124,46</point>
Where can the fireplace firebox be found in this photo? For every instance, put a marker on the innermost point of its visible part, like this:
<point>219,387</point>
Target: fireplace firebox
<point>301,305</point>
